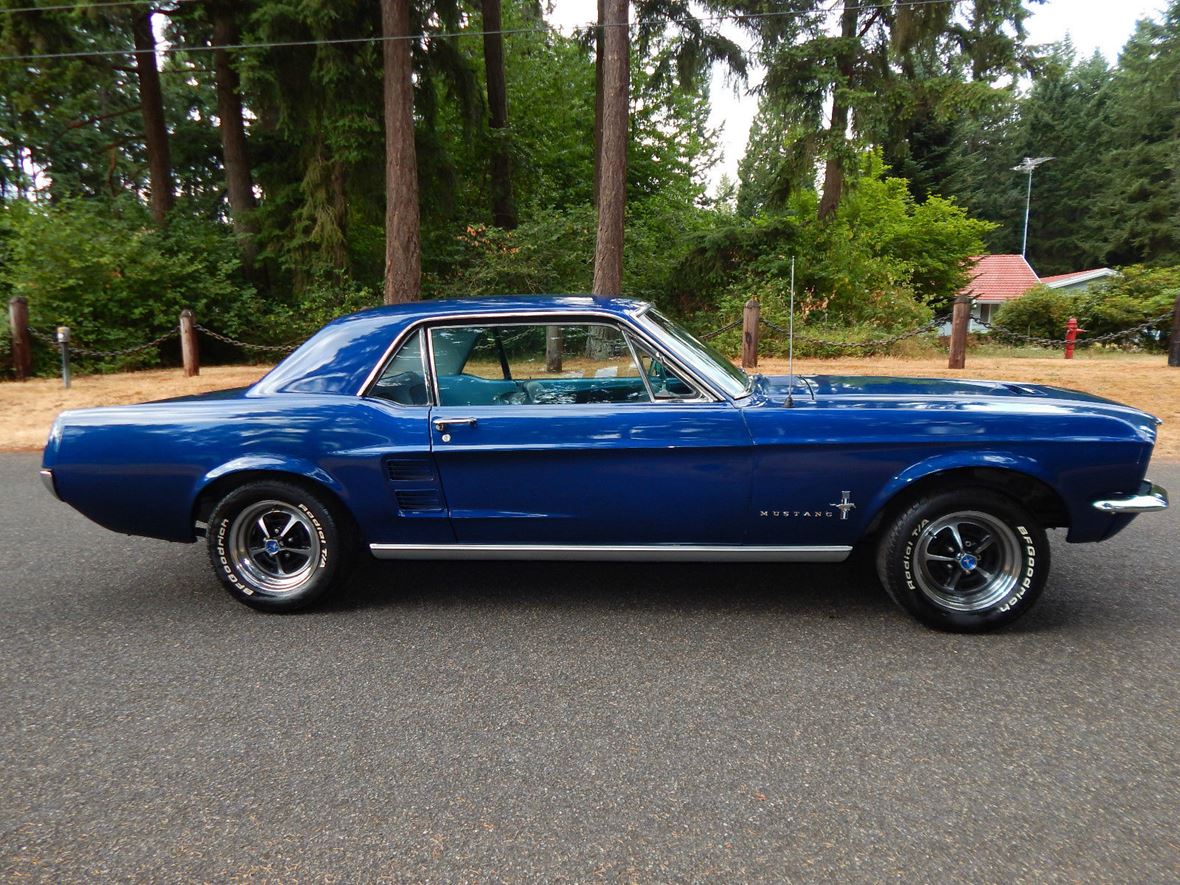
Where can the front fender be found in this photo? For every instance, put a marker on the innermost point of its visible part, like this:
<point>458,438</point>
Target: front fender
<point>963,460</point>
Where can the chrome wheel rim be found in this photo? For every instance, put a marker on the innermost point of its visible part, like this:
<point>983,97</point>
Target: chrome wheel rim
<point>274,546</point>
<point>966,562</point>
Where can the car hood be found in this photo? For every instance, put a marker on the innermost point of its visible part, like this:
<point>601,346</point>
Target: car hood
<point>846,390</point>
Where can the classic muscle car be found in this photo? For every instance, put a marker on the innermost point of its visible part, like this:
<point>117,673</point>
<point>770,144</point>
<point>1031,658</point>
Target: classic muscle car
<point>591,428</point>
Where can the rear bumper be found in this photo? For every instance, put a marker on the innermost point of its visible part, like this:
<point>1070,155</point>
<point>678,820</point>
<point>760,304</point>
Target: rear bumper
<point>1148,499</point>
<point>47,478</point>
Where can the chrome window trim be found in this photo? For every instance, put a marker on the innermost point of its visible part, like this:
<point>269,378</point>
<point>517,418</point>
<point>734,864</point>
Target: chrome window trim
<point>588,553</point>
<point>657,354</point>
<point>389,354</point>
<point>654,331</point>
<point>651,394</point>
<point>627,322</point>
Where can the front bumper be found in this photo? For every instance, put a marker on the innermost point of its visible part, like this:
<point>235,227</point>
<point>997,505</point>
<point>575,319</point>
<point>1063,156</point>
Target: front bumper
<point>1148,499</point>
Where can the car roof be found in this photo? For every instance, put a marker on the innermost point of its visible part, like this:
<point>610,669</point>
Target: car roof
<point>340,356</point>
<point>503,304</point>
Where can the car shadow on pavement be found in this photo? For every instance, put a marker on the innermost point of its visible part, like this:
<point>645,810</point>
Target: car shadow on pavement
<point>828,589</point>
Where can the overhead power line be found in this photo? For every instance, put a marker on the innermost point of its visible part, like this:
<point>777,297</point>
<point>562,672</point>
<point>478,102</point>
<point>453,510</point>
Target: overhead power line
<point>737,18</point>
<point>69,7</point>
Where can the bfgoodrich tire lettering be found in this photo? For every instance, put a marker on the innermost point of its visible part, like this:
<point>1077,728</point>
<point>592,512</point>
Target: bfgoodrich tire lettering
<point>965,560</point>
<point>277,546</point>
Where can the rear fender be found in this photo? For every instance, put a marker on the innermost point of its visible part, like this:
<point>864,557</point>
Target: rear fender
<point>277,463</point>
<point>281,467</point>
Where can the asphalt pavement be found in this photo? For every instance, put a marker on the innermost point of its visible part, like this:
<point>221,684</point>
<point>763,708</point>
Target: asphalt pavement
<point>549,722</point>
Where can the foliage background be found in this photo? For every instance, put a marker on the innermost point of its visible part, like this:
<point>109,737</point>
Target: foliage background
<point>943,99</point>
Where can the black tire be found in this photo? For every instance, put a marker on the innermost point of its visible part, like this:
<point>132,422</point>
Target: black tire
<point>277,546</point>
<point>967,560</point>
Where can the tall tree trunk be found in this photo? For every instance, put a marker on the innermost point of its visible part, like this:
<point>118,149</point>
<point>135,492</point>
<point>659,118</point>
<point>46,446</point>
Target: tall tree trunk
<point>503,210</point>
<point>612,185</point>
<point>151,105</point>
<point>838,130</point>
<point>239,185</point>
<point>599,53</point>
<point>403,258</point>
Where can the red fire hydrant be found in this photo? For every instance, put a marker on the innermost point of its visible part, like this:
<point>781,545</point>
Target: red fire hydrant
<point>1071,336</point>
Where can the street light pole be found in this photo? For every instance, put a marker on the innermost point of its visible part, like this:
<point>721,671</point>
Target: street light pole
<point>1028,165</point>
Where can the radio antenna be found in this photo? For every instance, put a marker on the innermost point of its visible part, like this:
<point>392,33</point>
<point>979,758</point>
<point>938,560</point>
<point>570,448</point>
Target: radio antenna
<point>791,342</point>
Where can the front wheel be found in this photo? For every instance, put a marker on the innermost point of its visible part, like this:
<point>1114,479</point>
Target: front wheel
<point>276,546</point>
<point>967,560</point>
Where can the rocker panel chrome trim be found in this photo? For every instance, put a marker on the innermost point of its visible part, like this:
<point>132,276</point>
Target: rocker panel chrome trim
<point>652,552</point>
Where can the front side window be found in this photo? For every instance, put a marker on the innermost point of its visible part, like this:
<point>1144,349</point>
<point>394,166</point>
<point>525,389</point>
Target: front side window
<point>702,358</point>
<point>664,382</point>
<point>535,364</point>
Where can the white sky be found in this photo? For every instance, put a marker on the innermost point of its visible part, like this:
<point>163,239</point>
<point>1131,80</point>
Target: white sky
<point>1104,25</point>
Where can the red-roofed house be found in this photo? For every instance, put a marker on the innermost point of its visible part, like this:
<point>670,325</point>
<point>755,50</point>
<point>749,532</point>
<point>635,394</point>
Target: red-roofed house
<point>997,279</point>
<point>1079,280</point>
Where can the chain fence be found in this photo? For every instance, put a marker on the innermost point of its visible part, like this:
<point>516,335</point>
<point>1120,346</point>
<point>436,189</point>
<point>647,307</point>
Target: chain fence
<point>50,339</point>
<point>246,345</point>
<point>868,346</point>
<point>872,344</point>
<point>1143,328</point>
<point>720,331</point>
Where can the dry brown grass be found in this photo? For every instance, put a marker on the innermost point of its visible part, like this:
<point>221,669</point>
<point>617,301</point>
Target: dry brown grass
<point>27,409</point>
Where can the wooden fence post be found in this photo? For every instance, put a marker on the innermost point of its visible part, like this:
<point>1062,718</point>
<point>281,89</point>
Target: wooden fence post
<point>960,323</point>
<point>1174,343</point>
<point>22,344</point>
<point>188,344</point>
<point>751,317</point>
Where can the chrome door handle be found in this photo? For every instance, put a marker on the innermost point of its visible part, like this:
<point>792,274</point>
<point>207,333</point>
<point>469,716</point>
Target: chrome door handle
<point>441,424</point>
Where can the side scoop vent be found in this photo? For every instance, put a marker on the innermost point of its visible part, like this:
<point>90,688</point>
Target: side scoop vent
<point>410,471</point>
<point>418,500</point>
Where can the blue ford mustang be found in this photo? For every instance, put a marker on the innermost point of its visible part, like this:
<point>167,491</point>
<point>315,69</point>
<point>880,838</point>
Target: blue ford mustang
<point>593,428</point>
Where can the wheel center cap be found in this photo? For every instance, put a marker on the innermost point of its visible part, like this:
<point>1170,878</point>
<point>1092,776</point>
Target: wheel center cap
<point>967,562</point>
<point>272,546</point>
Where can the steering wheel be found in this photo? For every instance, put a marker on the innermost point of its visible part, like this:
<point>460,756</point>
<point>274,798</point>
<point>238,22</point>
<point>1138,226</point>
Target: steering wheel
<point>516,397</point>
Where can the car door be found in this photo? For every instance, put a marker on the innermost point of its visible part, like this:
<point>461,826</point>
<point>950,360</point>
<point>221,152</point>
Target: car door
<point>551,434</point>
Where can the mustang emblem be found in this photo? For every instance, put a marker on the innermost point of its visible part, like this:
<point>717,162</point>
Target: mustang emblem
<point>845,504</point>
<point>809,514</point>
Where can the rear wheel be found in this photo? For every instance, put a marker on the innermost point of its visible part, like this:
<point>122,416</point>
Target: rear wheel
<point>966,560</point>
<point>277,546</point>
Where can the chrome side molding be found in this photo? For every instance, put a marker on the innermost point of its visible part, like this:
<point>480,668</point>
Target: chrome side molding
<point>1148,499</point>
<point>647,552</point>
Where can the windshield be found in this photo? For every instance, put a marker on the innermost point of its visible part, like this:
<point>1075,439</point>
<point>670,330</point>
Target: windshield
<point>703,358</point>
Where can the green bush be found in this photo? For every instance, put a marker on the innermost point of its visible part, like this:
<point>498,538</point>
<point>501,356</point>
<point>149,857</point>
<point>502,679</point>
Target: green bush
<point>1042,313</point>
<point>118,281</point>
<point>882,261</point>
<point>1139,294</point>
<point>552,253</point>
